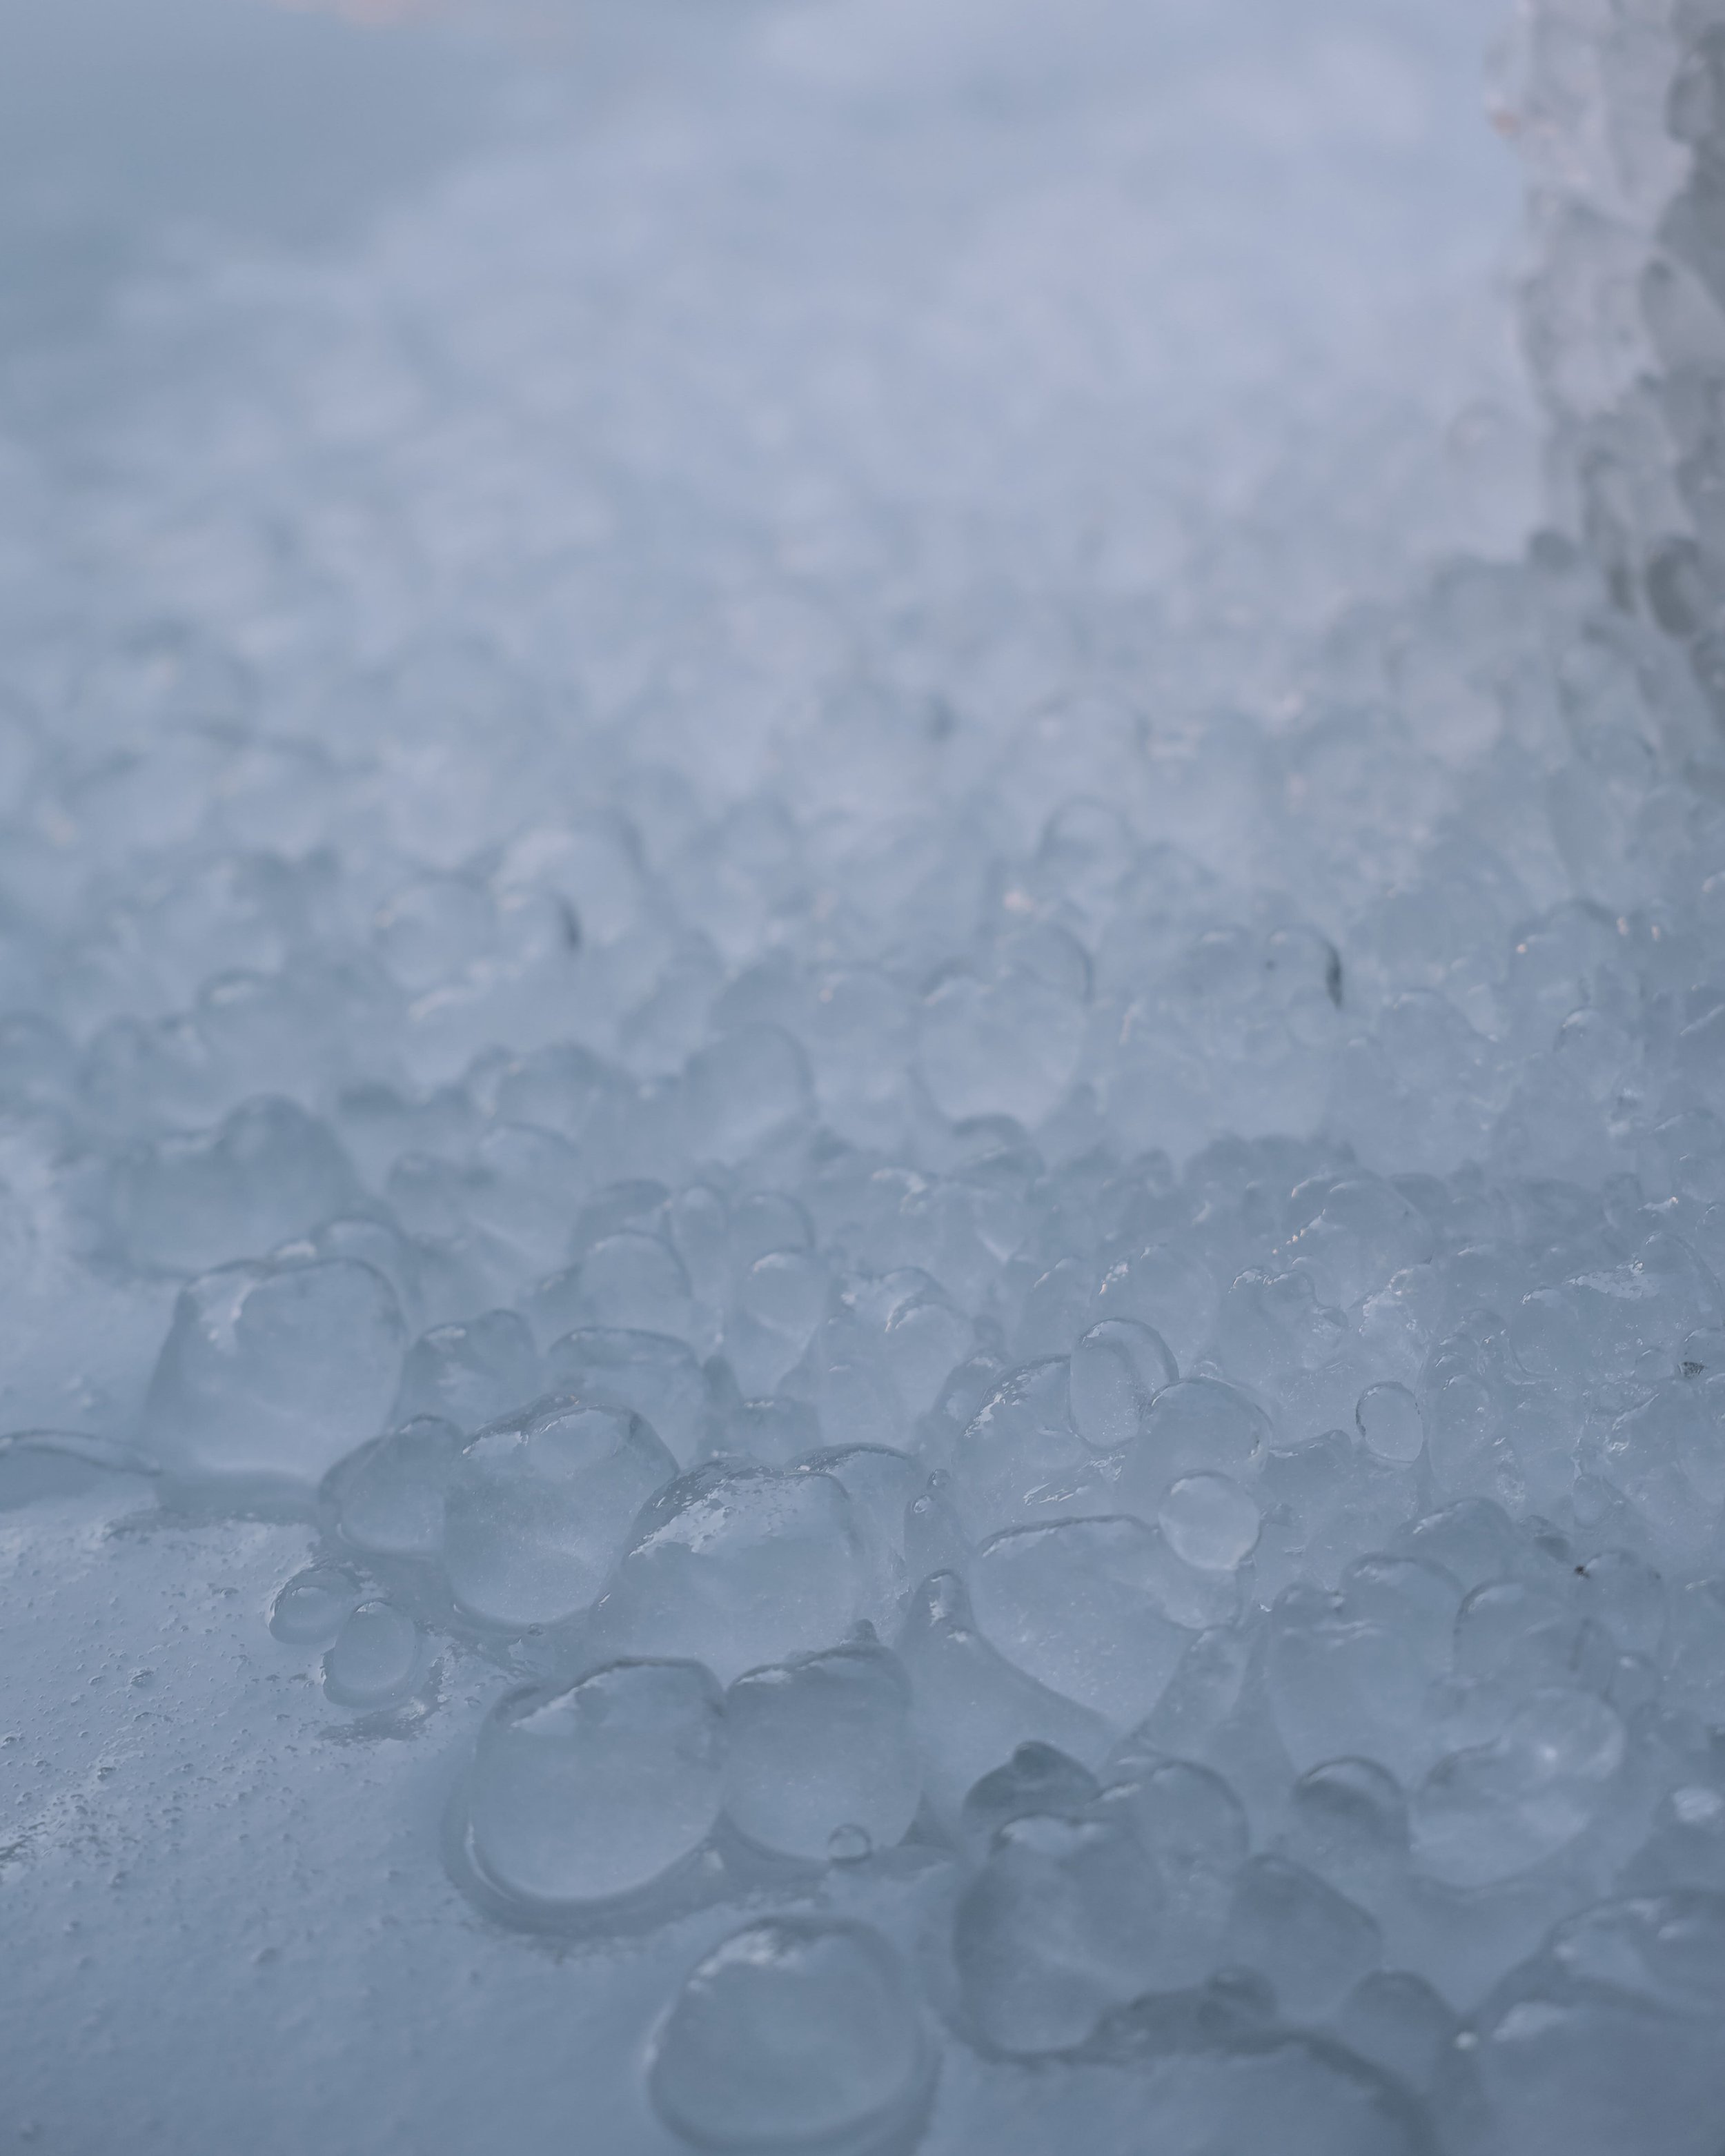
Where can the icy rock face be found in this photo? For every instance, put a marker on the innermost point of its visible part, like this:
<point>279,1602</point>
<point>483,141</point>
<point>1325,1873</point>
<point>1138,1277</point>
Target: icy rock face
<point>1009,1239</point>
<point>1623,114</point>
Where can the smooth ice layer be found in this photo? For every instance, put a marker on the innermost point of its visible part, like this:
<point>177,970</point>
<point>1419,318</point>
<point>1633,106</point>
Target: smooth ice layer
<point>862,1105</point>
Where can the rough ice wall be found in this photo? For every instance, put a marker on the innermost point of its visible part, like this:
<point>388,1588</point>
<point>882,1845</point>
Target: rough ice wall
<point>863,1192</point>
<point>1621,112</point>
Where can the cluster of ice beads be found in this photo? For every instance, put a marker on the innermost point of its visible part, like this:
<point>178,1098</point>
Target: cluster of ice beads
<point>1061,1344</point>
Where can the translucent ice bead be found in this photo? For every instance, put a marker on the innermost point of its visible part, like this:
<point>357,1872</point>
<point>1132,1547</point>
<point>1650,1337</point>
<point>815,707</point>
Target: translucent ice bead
<point>1186,1816</point>
<point>583,1794</point>
<point>1019,1448</point>
<point>779,1301</point>
<point>310,1610</point>
<point>883,1486</point>
<point>1209,1522</point>
<point>375,1657</point>
<point>1609,2039</point>
<point>934,1538</point>
<point>1082,1606</point>
<point>1627,1596</point>
<point>926,1339</point>
<point>392,1495</point>
<point>1485,1814</point>
<point>1664,1455</point>
<point>1036,1779</point>
<point>540,1507</point>
<point>1389,1421</point>
<point>275,1373</point>
<point>1526,1635</point>
<point>1601,1324</point>
<point>1007,1044</point>
<point>1169,1291</point>
<point>973,1707</point>
<point>1366,1232</point>
<point>1060,1924</point>
<point>1312,1943</point>
<point>750,1090</point>
<point>741,1565</point>
<point>1344,1686</point>
<point>1397,2022</point>
<point>821,1744</point>
<point>1117,1370</point>
<point>796,2036</point>
<point>1348,1821</point>
<point>1198,1426</point>
<point>472,1373</point>
<point>1192,1828</point>
<point>858,1040</point>
<point>1274,1328</point>
<point>631,1282</point>
<point>655,1375</point>
<point>269,1172</point>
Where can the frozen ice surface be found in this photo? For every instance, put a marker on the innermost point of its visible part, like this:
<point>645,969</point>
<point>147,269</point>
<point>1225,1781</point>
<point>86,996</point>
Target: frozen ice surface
<point>862,1078</point>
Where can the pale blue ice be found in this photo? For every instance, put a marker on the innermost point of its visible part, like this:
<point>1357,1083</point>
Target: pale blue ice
<point>862,1077</point>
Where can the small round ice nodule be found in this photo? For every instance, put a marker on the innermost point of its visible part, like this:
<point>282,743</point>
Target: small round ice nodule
<point>1209,1522</point>
<point>310,1610</point>
<point>541,1505</point>
<point>821,1750</point>
<point>1117,1368</point>
<point>1390,1423</point>
<point>595,1792</point>
<point>375,1658</point>
<point>795,2037</point>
